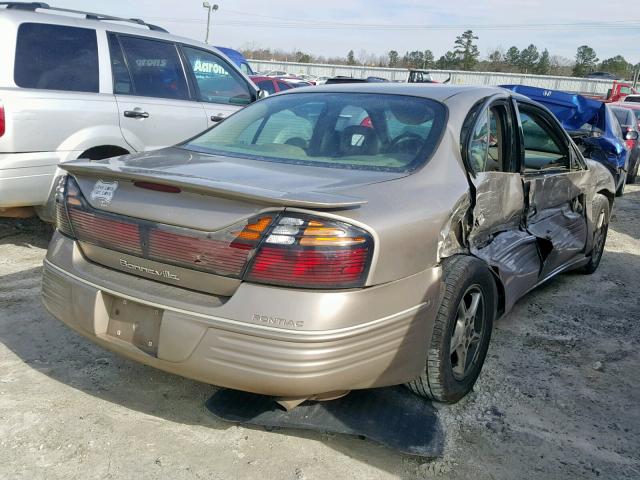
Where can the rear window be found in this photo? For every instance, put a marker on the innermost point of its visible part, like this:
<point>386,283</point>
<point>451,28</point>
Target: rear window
<point>55,57</point>
<point>342,130</point>
<point>155,68</point>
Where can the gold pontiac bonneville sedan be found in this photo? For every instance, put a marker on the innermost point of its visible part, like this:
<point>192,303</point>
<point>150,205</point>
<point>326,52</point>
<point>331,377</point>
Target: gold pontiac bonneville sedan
<point>328,239</point>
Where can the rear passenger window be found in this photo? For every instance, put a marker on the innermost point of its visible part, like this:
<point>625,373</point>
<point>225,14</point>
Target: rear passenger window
<point>486,148</point>
<point>54,57</point>
<point>155,69</point>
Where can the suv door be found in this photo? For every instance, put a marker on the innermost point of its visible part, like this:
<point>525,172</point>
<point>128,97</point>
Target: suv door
<point>554,181</point>
<point>216,84</point>
<point>496,234</point>
<point>153,95</point>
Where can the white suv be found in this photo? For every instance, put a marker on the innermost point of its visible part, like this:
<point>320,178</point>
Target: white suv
<point>83,85</point>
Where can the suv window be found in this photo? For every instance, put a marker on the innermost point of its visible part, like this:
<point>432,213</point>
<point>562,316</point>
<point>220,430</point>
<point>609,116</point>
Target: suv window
<point>217,82</point>
<point>155,69</point>
<point>55,57</point>
<point>543,149</point>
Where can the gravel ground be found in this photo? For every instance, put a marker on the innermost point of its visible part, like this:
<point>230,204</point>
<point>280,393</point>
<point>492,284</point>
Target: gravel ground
<point>558,398</point>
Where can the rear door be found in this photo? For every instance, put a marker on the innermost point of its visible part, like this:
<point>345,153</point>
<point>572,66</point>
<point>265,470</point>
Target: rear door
<point>155,104</point>
<point>554,180</point>
<point>216,84</point>
<point>497,234</point>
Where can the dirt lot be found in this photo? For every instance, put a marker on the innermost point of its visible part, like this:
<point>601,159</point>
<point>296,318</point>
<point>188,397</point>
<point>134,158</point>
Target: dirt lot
<point>559,396</point>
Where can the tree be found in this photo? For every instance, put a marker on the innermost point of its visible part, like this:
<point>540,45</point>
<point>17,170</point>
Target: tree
<point>512,57</point>
<point>429,61</point>
<point>302,57</point>
<point>543,67</point>
<point>351,58</point>
<point>617,65</point>
<point>393,58</point>
<point>496,58</point>
<point>466,50</point>
<point>414,59</point>
<point>528,59</point>
<point>448,61</point>
<point>586,61</point>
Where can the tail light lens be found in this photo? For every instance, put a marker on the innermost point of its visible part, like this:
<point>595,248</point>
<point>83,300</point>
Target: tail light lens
<point>2,121</point>
<point>298,251</point>
<point>309,252</point>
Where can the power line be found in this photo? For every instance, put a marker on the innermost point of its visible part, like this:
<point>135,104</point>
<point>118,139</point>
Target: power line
<point>329,25</point>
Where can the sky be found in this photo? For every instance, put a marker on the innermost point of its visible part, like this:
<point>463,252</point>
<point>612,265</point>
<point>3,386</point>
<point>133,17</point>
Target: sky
<point>333,27</point>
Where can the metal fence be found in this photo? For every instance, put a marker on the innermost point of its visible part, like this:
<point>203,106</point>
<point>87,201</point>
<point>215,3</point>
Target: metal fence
<point>570,84</point>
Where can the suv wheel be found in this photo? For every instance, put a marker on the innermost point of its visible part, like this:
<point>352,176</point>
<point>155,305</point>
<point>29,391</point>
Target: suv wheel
<point>461,332</point>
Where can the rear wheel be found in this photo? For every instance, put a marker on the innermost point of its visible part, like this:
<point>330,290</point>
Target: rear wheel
<point>601,213</point>
<point>461,332</point>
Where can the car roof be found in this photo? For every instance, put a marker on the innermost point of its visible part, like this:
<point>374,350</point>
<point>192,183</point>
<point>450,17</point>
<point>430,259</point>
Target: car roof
<point>17,17</point>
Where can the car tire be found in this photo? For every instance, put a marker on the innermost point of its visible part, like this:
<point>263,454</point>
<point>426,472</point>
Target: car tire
<point>447,377</point>
<point>620,189</point>
<point>631,177</point>
<point>601,214</point>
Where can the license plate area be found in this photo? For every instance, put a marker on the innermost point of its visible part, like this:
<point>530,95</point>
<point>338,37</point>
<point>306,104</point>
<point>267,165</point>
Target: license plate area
<point>136,324</point>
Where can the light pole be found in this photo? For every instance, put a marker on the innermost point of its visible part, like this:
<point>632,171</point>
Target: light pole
<point>210,8</point>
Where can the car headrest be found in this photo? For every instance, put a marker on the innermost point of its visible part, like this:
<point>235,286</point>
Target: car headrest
<point>359,140</point>
<point>410,114</point>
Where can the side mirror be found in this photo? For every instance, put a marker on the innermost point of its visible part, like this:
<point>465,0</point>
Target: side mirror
<point>262,94</point>
<point>631,135</point>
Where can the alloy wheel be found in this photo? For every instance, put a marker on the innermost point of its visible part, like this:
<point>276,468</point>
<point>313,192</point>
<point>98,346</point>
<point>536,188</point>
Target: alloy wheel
<point>467,332</point>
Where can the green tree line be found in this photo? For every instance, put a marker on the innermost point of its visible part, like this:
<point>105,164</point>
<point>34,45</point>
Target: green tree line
<point>465,55</point>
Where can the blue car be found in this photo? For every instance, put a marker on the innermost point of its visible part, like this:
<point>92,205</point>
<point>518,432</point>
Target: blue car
<point>237,58</point>
<point>592,125</point>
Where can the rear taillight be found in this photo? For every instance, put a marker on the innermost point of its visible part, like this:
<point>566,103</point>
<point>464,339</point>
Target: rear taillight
<point>310,252</point>
<point>299,251</point>
<point>2,121</point>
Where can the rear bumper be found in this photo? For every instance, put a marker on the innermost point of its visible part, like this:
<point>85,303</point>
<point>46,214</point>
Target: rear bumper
<point>378,336</point>
<point>27,179</point>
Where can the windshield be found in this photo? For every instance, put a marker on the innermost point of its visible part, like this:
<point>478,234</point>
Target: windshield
<point>342,130</point>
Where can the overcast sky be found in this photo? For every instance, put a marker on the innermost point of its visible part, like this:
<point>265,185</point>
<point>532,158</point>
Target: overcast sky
<point>611,27</point>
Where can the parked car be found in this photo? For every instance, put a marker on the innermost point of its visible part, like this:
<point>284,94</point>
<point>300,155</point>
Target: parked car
<point>602,76</point>
<point>591,123</point>
<point>276,73</point>
<point>629,125</point>
<point>633,98</point>
<point>291,251</point>
<point>236,57</point>
<point>84,85</point>
<point>343,79</point>
<point>423,76</point>
<point>270,84</point>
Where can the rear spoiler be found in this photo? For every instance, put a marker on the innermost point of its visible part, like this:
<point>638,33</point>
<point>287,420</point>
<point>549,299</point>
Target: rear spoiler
<point>315,200</point>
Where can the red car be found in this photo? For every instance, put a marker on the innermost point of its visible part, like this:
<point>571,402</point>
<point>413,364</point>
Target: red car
<point>271,84</point>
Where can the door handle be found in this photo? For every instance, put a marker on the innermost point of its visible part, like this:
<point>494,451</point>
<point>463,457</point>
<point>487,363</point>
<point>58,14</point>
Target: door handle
<point>217,118</point>
<point>135,114</point>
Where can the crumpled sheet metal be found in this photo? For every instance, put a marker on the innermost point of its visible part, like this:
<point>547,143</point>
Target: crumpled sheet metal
<point>514,256</point>
<point>550,191</point>
<point>565,229</point>
<point>449,242</point>
<point>498,207</point>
